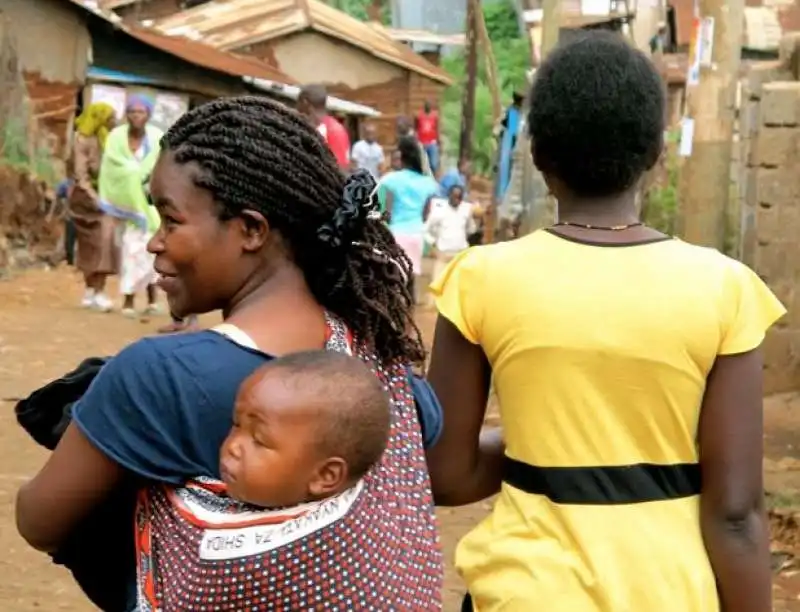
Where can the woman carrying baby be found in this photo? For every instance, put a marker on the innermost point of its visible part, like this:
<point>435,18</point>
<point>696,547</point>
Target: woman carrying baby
<point>257,221</point>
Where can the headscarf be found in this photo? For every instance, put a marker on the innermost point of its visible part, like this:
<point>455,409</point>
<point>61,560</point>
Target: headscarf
<point>141,101</point>
<point>93,121</point>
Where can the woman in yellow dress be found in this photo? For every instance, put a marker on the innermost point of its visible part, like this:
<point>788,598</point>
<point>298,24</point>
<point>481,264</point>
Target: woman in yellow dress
<point>628,371</point>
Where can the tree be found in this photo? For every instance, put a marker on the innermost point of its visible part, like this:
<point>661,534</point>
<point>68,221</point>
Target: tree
<point>512,54</point>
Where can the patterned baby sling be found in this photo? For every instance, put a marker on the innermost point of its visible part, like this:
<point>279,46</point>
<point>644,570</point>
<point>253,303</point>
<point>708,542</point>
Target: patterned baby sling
<point>199,550</point>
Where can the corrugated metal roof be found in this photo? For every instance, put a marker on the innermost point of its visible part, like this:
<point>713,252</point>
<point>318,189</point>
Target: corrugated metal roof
<point>424,36</point>
<point>233,24</point>
<point>192,51</point>
<point>292,92</point>
<point>208,57</point>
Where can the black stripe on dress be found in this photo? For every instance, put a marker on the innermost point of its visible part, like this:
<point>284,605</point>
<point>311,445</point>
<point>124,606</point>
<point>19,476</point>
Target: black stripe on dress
<point>605,485</point>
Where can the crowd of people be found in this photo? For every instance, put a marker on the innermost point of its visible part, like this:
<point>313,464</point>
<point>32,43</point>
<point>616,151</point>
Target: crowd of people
<point>290,458</point>
<point>108,205</point>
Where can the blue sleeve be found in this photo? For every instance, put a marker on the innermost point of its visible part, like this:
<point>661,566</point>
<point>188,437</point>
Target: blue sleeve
<point>142,411</point>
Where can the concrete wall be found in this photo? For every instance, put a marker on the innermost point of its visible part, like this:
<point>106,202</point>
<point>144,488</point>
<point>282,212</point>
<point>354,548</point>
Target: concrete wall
<point>770,207</point>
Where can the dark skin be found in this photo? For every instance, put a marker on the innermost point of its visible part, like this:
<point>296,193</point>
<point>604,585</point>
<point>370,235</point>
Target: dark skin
<point>465,466</point>
<point>138,117</point>
<point>240,266</point>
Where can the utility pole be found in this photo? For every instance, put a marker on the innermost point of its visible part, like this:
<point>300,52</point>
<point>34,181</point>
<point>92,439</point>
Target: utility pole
<point>468,104</point>
<point>705,178</point>
<point>539,208</point>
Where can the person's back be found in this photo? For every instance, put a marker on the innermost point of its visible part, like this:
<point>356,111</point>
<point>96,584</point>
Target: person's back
<point>627,368</point>
<point>411,191</point>
<point>337,138</point>
<point>604,372</point>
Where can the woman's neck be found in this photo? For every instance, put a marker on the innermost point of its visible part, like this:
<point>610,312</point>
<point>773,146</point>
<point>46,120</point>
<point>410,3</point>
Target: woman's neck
<point>279,312</point>
<point>135,132</point>
<point>616,210</point>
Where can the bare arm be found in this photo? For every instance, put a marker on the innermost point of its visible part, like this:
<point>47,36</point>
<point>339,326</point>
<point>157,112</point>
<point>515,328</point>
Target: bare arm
<point>427,210</point>
<point>387,214</point>
<point>82,174</point>
<point>733,517</point>
<point>465,465</point>
<point>75,479</point>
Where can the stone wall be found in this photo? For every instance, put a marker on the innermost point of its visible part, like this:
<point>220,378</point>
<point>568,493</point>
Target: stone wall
<point>770,208</point>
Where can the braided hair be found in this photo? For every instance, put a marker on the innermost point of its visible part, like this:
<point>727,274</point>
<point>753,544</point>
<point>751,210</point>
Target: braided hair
<point>256,154</point>
<point>410,154</point>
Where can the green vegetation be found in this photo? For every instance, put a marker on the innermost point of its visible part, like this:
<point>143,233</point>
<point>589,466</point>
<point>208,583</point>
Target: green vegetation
<point>16,152</point>
<point>512,55</point>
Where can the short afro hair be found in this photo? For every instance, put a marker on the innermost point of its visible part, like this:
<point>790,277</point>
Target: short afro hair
<point>354,409</point>
<point>597,115</point>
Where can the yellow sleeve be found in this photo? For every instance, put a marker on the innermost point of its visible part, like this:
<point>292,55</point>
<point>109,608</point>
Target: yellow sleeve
<point>459,292</point>
<point>751,310</point>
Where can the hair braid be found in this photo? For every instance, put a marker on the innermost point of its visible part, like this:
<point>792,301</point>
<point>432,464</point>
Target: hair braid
<point>256,154</point>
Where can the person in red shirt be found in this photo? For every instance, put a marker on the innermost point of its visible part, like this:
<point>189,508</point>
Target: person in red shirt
<point>427,129</point>
<point>312,102</point>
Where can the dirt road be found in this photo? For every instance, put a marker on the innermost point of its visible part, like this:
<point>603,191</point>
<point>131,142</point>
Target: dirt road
<point>43,334</point>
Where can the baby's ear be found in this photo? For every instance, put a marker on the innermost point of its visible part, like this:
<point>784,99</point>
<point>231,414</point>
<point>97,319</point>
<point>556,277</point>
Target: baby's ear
<point>330,478</point>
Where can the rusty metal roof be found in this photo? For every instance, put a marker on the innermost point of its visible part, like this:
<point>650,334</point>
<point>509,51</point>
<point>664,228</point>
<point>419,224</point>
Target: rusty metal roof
<point>205,56</point>
<point>192,51</point>
<point>233,24</point>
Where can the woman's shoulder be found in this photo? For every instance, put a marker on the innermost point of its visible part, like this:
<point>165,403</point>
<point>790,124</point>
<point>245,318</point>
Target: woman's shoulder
<point>166,360</point>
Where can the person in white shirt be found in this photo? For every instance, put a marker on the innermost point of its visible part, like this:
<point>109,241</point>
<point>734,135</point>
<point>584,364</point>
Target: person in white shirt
<point>367,153</point>
<point>449,223</point>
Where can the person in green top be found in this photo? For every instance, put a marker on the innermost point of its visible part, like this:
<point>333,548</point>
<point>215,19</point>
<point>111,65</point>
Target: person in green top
<point>130,154</point>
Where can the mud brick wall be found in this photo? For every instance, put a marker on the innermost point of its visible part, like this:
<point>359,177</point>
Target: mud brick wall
<point>770,124</point>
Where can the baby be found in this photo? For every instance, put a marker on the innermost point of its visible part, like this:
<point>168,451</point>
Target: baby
<point>306,427</point>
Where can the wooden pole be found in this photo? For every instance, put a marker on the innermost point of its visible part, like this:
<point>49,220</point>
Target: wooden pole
<point>468,105</point>
<point>489,60</point>
<point>705,178</point>
<point>497,110</point>
<point>551,25</point>
<point>536,215</point>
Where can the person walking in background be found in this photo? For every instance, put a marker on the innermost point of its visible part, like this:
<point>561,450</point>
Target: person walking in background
<point>313,103</point>
<point>368,153</point>
<point>404,129</point>
<point>628,367</point>
<point>458,176</point>
<point>95,231</point>
<point>408,195</point>
<point>507,133</point>
<point>426,125</point>
<point>131,153</point>
<point>448,228</point>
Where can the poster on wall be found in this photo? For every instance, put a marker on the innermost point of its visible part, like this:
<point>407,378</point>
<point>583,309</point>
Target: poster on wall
<point>110,94</point>
<point>168,108</point>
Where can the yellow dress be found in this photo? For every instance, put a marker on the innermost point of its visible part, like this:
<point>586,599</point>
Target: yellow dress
<point>599,355</point>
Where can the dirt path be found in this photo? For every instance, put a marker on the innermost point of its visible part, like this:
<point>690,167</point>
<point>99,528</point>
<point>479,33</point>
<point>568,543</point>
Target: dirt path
<point>43,334</point>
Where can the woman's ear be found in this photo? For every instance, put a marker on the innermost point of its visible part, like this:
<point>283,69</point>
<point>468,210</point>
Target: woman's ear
<point>255,230</point>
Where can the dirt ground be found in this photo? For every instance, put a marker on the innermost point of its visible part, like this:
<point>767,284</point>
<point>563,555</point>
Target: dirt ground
<point>43,334</point>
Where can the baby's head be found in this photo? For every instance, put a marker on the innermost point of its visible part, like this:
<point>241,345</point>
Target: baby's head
<point>306,426</point>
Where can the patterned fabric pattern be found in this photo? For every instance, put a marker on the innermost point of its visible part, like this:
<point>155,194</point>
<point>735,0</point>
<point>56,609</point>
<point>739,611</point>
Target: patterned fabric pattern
<point>381,554</point>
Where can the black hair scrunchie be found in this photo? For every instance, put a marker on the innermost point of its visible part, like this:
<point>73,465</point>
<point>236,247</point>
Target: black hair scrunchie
<point>355,209</point>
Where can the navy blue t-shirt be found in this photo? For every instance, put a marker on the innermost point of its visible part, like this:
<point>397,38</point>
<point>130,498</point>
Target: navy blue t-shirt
<point>163,406</point>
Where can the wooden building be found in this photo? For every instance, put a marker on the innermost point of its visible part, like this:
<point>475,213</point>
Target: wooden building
<point>69,47</point>
<point>315,43</point>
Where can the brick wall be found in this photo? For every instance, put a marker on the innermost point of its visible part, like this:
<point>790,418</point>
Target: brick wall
<point>770,205</point>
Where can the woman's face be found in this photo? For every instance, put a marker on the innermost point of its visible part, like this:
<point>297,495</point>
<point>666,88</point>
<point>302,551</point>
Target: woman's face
<point>137,116</point>
<point>202,260</point>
